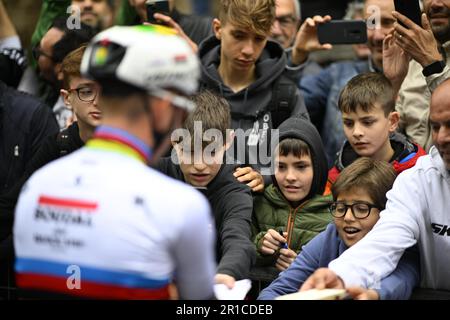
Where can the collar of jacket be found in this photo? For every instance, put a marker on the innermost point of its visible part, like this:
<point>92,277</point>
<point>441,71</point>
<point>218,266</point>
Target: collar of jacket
<point>120,141</point>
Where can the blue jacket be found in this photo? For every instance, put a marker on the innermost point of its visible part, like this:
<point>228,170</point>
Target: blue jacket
<point>321,93</point>
<point>326,247</point>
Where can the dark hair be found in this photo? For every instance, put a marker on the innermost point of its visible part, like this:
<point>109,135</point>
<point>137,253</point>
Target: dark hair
<point>373,176</point>
<point>212,111</point>
<point>366,89</point>
<point>71,40</point>
<point>293,146</point>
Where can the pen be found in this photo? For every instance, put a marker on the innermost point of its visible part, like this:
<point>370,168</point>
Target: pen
<point>283,245</point>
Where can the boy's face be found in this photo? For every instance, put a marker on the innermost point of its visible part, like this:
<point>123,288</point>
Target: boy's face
<point>294,176</point>
<point>351,229</point>
<point>82,98</point>
<point>368,132</point>
<point>240,48</point>
<point>199,170</point>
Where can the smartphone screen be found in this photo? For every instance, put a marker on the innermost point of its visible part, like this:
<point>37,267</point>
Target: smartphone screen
<point>156,6</point>
<point>342,32</point>
<point>410,9</point>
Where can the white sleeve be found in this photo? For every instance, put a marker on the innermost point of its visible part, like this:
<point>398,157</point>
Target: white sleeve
<point>377,254</point>
<point>195,253</point>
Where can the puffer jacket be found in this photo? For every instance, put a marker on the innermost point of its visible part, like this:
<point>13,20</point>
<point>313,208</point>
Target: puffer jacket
<point>273,211</point>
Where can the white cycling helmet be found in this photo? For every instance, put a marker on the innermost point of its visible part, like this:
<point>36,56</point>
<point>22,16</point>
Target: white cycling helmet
<point>152,58</point>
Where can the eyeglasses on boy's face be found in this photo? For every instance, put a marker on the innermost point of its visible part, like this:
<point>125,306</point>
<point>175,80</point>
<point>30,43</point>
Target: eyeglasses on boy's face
<point>360,210</point>
<point>86,93</point>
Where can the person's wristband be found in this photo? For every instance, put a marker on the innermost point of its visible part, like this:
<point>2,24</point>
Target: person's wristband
<point>435,67</point>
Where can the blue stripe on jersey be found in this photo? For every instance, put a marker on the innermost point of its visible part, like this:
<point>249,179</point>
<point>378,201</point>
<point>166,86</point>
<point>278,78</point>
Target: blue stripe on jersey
<point>24,265</point>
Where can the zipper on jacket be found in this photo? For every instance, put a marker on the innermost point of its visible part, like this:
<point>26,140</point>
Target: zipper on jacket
<point>291,222</point>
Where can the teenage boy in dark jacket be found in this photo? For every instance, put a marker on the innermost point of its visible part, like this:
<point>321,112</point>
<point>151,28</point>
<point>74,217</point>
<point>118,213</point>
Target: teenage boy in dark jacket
<point>240,64</point>
<point>231,201</point>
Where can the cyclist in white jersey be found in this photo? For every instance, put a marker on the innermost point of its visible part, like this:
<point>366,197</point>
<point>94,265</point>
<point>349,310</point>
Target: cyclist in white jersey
<point>100,223</point>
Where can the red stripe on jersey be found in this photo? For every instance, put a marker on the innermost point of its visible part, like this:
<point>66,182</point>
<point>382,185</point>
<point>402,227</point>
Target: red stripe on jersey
<point>88,289</point>
<point>70,203</point>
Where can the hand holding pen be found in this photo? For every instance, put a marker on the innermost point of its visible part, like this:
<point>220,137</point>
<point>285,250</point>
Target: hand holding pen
<point>287,256</point>
<point>271,242</point>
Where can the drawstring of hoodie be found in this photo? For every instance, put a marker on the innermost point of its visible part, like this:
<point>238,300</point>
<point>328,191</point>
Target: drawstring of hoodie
<point>245,95</point>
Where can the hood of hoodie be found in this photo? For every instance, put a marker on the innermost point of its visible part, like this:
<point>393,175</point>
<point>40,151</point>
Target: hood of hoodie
<point>304,130</point>
<point>401,145</point>
<point>247,102</point>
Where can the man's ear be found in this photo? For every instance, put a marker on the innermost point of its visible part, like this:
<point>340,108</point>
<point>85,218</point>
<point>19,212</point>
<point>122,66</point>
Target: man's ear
<point>66,97</point>
<point>394,118</point>
<point>217,28</point>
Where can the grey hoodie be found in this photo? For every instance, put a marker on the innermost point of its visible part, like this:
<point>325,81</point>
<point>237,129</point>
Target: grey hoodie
<point>249,107</point>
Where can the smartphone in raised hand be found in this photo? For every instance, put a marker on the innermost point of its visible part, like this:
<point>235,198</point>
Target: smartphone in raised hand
<point>156,6</point>
<point>410,9</point>
<point>342,32</point>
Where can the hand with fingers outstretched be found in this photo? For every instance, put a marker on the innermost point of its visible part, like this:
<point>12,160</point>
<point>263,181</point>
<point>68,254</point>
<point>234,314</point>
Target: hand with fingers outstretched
<point>307,41</point>
<point>323,278</point>
<point>417,41</point>
<point>395,61</point>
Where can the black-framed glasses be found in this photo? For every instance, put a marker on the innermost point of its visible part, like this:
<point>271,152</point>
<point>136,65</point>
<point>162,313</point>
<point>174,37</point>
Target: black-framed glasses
<point>86,93</point>
<point>37,52</point>
<point>286,20</point>
<point>360,210</point>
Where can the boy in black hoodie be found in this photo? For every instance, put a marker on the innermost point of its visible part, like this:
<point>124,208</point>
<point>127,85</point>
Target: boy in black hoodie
<point>199,161</point>
<point>240,64</point>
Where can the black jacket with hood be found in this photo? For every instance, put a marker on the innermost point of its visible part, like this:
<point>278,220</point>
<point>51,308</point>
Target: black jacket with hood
<point>250,106</point>
<point>304,130</point>
<point>51,149</point>
<point>232,206</point>
<point>24,124</point>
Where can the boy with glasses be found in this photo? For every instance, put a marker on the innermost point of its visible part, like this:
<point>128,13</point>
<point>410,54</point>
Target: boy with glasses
<point>359,195</point>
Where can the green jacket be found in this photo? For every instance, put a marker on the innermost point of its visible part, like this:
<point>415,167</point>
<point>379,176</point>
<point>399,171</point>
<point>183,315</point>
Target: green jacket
<point>272,211</point>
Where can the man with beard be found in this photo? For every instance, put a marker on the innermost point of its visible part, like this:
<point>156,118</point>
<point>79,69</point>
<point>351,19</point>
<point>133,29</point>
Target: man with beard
<point>96,13</point>
<point>429,47</point>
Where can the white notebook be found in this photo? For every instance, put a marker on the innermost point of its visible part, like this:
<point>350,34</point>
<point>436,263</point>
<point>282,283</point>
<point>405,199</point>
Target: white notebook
<point>314,294</point>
